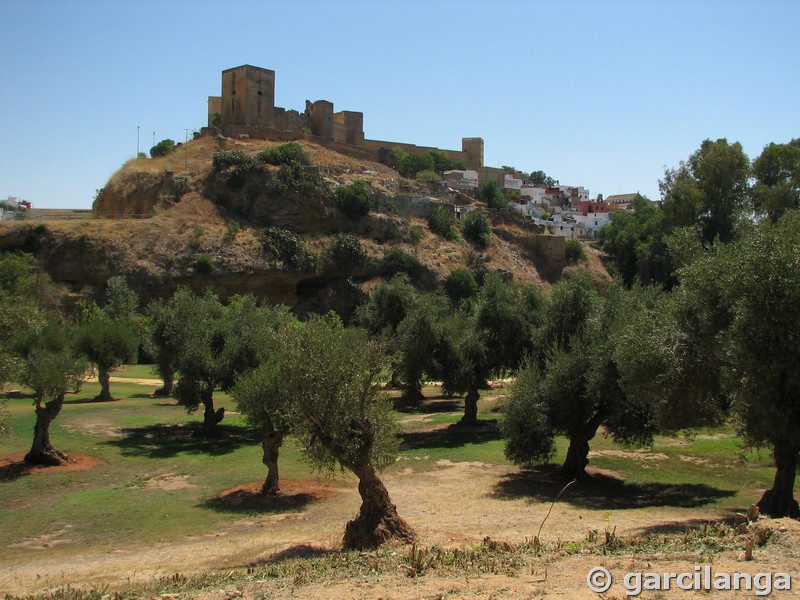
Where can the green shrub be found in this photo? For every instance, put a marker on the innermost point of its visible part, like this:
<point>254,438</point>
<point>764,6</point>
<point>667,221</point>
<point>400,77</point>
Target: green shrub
<point>478,227</point>
<point>395,261</point>
<point>235,164</point>
<point>492,195</point>
<point>203,264</point>
<point>291,153</point>
<point>416,233</point>
<point>296,179</point>
<point>574,251</point>
<point>442,223</point>
<point>162,148</point>
<point>410,164</point>
<point>477,265</point>
<point>429,176</point>
<point>353,200</point>
<point>287,247</point>
<point>460,285</point>
<point>231,229</point>
<point>346,251</point>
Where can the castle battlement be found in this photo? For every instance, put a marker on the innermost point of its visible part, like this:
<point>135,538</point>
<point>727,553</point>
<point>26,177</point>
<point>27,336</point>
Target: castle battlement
<point>247,108</point>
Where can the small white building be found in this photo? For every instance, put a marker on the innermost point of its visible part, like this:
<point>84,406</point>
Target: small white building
<point>533,193</point>
<point>565,229</point>
<point>462,180</point>
<point>512,183</point>
<point>592,222</point>
<point>529,209</point>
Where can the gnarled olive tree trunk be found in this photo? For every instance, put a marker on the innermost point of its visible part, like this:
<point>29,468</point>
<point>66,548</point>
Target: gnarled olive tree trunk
<point>413,391</point>
<point>168,378</point>
<point>779,501</point>
<point>471,407</point>
<point>42,451</point>
<point>377,521</point>
<point>104,377</point>
<point>271,445</point>
<point>577,459</point>
<point>211,418</point>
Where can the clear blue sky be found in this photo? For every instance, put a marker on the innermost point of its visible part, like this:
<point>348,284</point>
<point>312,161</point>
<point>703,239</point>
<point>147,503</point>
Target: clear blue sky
<point>600,94</point>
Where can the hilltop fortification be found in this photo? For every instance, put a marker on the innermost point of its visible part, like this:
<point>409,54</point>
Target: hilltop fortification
<point>246,109</point>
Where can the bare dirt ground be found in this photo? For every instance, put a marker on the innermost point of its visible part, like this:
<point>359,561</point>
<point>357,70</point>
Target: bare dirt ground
<point>457,504</point>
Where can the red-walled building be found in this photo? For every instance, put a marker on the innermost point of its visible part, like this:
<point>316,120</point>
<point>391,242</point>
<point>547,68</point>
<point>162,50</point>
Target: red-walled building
<point>588,207</point>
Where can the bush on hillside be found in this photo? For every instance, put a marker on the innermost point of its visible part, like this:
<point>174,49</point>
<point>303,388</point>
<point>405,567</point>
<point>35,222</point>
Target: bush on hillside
<point>395,261</point>
<point>162,148</point>
<point>287,247</point>
<point>478,227</point>
<point>493,195</point>
<point>284,154</point>
<point>346,251</point>
<point>460,285</point>
<point>353,200</point>
<point>442,223</point>
<point>574,251</point>
<point>204,264</point>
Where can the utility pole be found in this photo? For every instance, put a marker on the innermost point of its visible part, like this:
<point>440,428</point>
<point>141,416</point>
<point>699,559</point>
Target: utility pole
<point>154,138</point>
<point>137,141</point>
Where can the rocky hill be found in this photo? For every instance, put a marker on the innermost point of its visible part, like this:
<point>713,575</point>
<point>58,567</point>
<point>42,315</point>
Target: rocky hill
<point>177,220</point>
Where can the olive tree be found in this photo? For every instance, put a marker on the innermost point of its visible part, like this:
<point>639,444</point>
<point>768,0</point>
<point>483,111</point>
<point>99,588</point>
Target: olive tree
<point>259,398</point>
<point>417,334</point>
<point>381,315</point>
<point>210,344</point>
<point>571,385</point>
<point>328,380</point>
<point>161,316</point>
<point>725,343</point>
<point>110,336</point>
<point>192,329</point>
<point>51,369</point>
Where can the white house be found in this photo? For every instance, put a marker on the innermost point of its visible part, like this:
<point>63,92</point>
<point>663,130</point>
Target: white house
<point>593,222</point>
<point>528,209</point>
<point>511,183</point>
<point>463,180</point>
<point>533,193</point>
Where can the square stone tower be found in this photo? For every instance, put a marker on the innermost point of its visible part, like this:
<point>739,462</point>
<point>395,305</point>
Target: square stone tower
<point>248,96</point>
<point>473,148</point>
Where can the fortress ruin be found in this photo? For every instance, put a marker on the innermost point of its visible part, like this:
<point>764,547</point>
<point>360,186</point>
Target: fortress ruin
<point>247,109</point>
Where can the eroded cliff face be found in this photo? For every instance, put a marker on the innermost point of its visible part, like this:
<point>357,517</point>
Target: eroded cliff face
<point>158,255</point>
<point>132,194</point>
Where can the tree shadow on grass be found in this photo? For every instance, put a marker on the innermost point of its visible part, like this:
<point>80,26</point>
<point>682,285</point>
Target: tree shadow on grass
<point>298,551</point>
<point>601,491</point>
<point>451,436</point>
<point>439,404</point>
<point>168,440</point>
<point>94,400</point>
<point>250,502</point>
<point>672,527</point>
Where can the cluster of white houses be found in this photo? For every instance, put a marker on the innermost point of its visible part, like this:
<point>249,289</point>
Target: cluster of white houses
<point>564,210</point>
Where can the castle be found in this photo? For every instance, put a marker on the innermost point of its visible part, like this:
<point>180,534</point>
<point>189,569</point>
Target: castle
<point>247,109</point>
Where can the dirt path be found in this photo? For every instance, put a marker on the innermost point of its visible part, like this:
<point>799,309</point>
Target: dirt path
<point>453,505</point>
<point>156,382</point>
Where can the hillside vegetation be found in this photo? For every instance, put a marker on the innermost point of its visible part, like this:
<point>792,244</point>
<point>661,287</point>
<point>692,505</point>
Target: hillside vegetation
<point>174,220</point>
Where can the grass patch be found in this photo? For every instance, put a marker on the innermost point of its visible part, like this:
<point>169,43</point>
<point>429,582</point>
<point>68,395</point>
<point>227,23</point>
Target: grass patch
<point>156,482</point>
